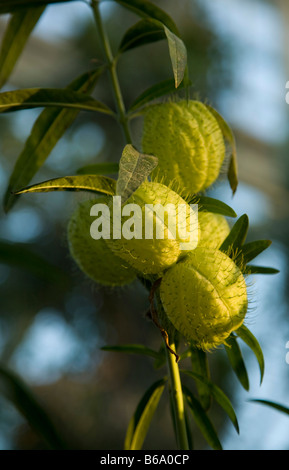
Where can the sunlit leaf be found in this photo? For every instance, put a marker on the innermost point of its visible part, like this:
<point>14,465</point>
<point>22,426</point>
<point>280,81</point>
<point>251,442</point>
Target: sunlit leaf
<point>24,400</point>
<point>245,334</point>
<point>23,256</point>
<point>134,168</point>
<point>237,235</point>
<point>230,139</point>
<point>141,420</point>
<point>200,366</point>
<point>50,97</point>
<point>237,362</point>
<point>99,169</point>
<point>202,420</point>
<point>209,204</point>
<point>218,395</point>
<point>133,349</point>
<point>94,183</point>
<point>178,54</point>
<point>18,30</point>
<point>46,132</point>
<point>156,91</point>
<point>7,6</point>
<point>146,9</point>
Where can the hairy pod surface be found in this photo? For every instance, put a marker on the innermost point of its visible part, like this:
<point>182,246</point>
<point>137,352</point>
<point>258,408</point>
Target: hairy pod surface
<point>156,247</point>
<point>213,229</point>
<point>205,297</point>
<point>94,257</point>
<point>188,142</point>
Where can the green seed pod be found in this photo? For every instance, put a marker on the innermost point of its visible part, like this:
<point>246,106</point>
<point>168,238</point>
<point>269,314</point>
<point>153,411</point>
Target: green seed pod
<point>188,142</point>
<point>213,229</point>
<point>151,252</point>
<point>94,257</point>
<point>205,297</point>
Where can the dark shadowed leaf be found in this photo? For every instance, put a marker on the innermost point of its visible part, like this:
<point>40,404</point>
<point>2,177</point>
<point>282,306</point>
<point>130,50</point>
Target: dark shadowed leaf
<point>23,256</point>
<point>133,349</point>
<point>209,204</point>
<point>151,30</point>
<point>7,6</point>
<point>46,132</point>
<point>202,420</point>
<point>49,97</point>
<point>156,91</point>
<point>146,9</point>
<point>200,366</point>
<point>141,420</point>
<point>230,139</point>
<point>252,250</point>
<point>24,400</point>
<point>237,236</point>
<point>250,269</point>
<point>144,32</point>
<point>17,32</point>
<point>272,404</point>
<point>134,168</point>
<point>237,362</point>
<point>99,169</point>
<point>94,183</point>
<point>245,334</point>
<point>217,394</point>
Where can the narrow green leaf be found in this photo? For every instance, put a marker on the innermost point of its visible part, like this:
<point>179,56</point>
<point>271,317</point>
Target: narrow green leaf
<point>99,169</point>
<point>252,250</point>
<point>156,91</point>
<point>50,97</point>
<point>202,420</point>
<point>272,404</point>
<point>23,256</point>
<point>46,132</point>
<point>24,400</point>
<point>7,6</point>
<point>237,236</point>
<point>18,30</point>
<point>134,168</point>
<point>94,183</point>
<point>209,204</point>
<point>141,420</point>
<point>146,9</point>
<point>178,54</point>
<point>250,269</point>
<point>237,362</point>
<point>230,139</point>
<point>133,349</point>
<point>245,334</point>
<point>151,30</point>
<point>200,366</point>
<point>218,395</point>
<point>144,32</point>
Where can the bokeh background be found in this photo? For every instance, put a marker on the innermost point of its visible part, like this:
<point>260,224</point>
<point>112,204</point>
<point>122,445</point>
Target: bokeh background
<point>53,324</point>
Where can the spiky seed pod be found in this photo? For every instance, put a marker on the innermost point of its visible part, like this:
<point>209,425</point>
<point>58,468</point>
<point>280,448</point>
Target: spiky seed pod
<point>94,257</point>
<point>151,256</point>
<point>213,229</point>
<point>188,142</point>
<point>205,297</point>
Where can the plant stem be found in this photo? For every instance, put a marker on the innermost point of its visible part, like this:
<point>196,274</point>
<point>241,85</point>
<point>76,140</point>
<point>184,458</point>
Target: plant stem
<point>177,400</point>
<point>112,72</point>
